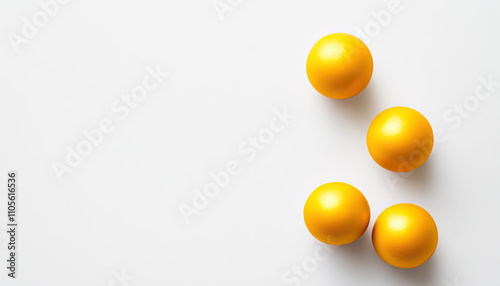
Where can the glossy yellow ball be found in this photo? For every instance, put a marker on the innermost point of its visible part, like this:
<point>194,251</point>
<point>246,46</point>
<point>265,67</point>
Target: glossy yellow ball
<point>405,235</point>
<point>400,139</point>
<point>336,213</point>
<point>339,66</point>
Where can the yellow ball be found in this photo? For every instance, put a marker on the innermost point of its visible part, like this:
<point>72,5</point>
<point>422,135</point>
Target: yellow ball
<point>339,66</point>
<point>400,139</point>
<point>405,235</point>
<point>336,213</point>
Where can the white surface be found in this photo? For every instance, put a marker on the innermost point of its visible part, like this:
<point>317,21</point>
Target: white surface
<point>119,208</point>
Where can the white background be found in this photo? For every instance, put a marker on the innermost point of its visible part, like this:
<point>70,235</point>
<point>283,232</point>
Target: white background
<point>119,209</point>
